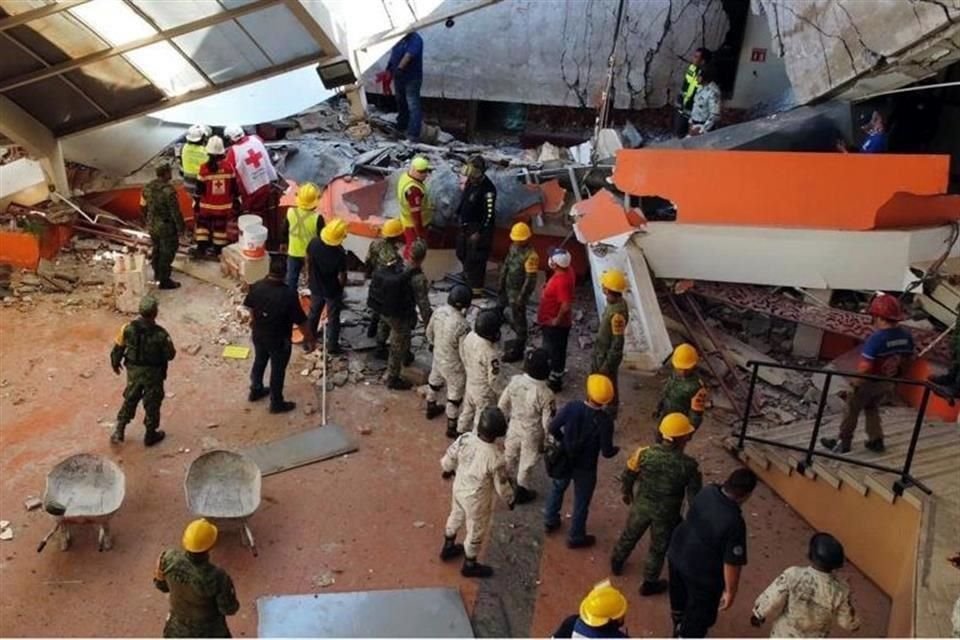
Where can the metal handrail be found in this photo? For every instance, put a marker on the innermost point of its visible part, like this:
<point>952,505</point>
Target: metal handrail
<point>810,451</point>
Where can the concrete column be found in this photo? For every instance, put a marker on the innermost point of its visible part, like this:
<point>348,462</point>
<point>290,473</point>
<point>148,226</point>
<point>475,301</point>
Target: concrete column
<point>24,130</point>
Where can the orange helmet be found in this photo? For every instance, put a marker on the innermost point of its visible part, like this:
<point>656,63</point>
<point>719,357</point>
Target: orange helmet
<point>886,307</point>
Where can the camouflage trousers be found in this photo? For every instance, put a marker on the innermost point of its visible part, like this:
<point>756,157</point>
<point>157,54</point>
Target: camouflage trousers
<point>151,393</point>
<point>517,319</point>
<point>641,518</point>
<point>165,244</point>
<point>400,330</point>
<point>176,628</point>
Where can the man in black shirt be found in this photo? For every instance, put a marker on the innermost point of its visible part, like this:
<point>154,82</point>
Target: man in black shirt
<point>706,554</point>
<point>477,214</point>
<point>327,270</point>
<point>274,309</point>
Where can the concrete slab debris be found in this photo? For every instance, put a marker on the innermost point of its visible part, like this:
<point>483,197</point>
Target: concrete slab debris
<point>299,449</point>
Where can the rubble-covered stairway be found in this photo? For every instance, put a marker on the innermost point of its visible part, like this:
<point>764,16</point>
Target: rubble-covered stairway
<point>901,542</point>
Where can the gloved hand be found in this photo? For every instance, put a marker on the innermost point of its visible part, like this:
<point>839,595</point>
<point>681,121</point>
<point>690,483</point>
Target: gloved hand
<point>627,499</point>
<point>446,475</point>
<point>755,621</point>
<point>385,78</point>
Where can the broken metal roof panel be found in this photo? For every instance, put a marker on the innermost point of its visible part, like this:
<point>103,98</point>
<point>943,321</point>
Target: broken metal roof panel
<point>54,103</point>
<point>223,51</point>
<point>115,85</point>
<point>279,33</point>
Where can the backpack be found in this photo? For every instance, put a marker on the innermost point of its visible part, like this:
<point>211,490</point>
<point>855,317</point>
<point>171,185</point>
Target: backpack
<point>391,293</point>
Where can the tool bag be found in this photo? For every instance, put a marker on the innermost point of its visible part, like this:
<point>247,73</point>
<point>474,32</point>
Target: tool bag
<point>559,464</point>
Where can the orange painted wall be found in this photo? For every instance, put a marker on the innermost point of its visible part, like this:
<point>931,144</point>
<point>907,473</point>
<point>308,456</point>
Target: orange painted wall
<point>786,189</point>
<point>24,250</point>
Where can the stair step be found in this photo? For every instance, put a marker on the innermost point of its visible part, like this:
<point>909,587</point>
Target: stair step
<point>880,488</point>
<point>777,460</point>
<point>852,479</point>
<point>826,474</point>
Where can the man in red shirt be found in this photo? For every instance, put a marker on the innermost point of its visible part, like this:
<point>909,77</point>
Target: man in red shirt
<point>555,314</point>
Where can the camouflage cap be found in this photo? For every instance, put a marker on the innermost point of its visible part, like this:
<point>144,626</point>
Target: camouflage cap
<point>148,306</point>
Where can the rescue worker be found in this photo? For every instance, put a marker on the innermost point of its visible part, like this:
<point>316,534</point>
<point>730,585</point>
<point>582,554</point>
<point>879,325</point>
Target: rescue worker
<point>888,352</point>
<point>201,594</point>
<point>193,154</point>
<point>254,169</point>
<point>705,114</point>
<point>416,211</point>
<point>608,346</point>
<point>274,310</point>
<point>555,315</point>
<point>419,282</point>
<point>602,613</point>
<point>529,405</point>
<point>300,228</point>
<point>215,200</point>
<point>391,295</point>
<point>145,349</point>
<point>161,212</point>
<point>653,484</point>
<point>385,250</point>
<point>691,81</point>
<point>949,382</point>
<point>684,391</point>
<point>518,277</point>
<point>585,432</point>
<point>707,552</point>
<point>477,215</point>
<point>447,327</point>
<point>327,271</point>
<point>478,352</point>
<point>405,69</point>
<point>876,130</point>
<point>479,469</point>
<point>808,601</point>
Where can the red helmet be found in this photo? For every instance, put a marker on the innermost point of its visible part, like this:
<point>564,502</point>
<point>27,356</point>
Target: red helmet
<point>886,307</point>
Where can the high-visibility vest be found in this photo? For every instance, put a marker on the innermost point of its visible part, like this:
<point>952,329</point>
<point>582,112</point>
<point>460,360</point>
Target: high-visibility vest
<point>217,198</point>
<point>690,82</point>
<point>303,229</point>
<point>191,157</point>
<point>405,183</point>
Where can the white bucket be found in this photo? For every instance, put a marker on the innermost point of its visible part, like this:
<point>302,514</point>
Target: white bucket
<point>248,220</point>
<point>253,240</point>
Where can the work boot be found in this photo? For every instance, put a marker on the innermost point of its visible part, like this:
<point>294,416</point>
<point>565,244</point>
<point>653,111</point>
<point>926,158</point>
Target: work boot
<point>153,437</point>
<point>408,359</point>
<point>284,407</point>
<point>434,409</point>
<point>258,394</point>
<point>450,549</point>
<point>452,428</point>
<point>835,446</point>
<point>582,543</point>
<point>875,445</point>
<point>513,352</point>
<point>169,284</point>
<point>399,384</point>
<point>653,587</point>
<point>550,527</point>
<point>372,329</point>
<point>381,353</point>
<point>335,350</point>
<point>473,569</point>
<point>524,495</point>
<point>616,566</point>
<point>117,436</point>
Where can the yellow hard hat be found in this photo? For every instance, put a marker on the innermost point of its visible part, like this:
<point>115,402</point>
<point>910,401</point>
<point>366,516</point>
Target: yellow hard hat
<point>199,536</point>
<point>420,163</point>
<point>308,195</point>
<point>675,425</point>
<point>600,389</point>
<point>614,280</point>
<point>392,228</point>
<point>334,232</point>
<point>603,604</point>
<point>520,232</point>
<point>685,357</point>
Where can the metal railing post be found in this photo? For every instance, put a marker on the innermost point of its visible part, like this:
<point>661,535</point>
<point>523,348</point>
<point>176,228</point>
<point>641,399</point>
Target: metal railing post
<point>748,409</point>
<point>921,414</point>
<point>819,419</point>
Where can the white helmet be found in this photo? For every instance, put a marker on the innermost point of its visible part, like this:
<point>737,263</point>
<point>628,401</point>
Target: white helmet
<point>559,258</point>
<point>195,133</point>
<point>234,132</point>
<point>215,146</point>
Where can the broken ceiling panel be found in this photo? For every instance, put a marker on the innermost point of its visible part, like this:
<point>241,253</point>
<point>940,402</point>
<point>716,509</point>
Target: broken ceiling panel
<point>279,34</point>
<point>54,103</point>
<point>167,14</point>
<point>223,51</point>
<point>115,85</point>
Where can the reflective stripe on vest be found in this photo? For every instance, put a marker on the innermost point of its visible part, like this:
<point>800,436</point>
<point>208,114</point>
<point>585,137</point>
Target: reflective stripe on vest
<point>303,228</point>
<point>191,157</point>
<point>406,217</point>
<point>691,80</point>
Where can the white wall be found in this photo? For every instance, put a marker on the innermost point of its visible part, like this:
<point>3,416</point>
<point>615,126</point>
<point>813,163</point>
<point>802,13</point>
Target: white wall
<point>762,86</point>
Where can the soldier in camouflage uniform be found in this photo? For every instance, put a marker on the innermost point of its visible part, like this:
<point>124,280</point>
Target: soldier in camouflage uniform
<point>808,601</point>
<point>145,349</point>
<point>684,392</point>
<point>447,327</point>
<point>654,484</point>
<point>385,250</point>
<point>518,277</point>
<point>608,346</point>
<point>161,211</point>
<point>201,594</point>
<point>421,286</point>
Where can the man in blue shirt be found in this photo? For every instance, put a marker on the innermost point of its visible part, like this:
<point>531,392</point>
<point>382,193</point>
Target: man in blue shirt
<point>585,431</point>
<point>876,131</point>
<point>888,352</point>
<point>406,68</point>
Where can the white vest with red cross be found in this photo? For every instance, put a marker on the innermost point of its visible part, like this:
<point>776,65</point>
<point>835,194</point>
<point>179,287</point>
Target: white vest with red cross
<point>251,161</point>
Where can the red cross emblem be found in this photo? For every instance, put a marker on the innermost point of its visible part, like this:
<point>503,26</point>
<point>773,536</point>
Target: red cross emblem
<point>253,158</point>
<point>219,187</point>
